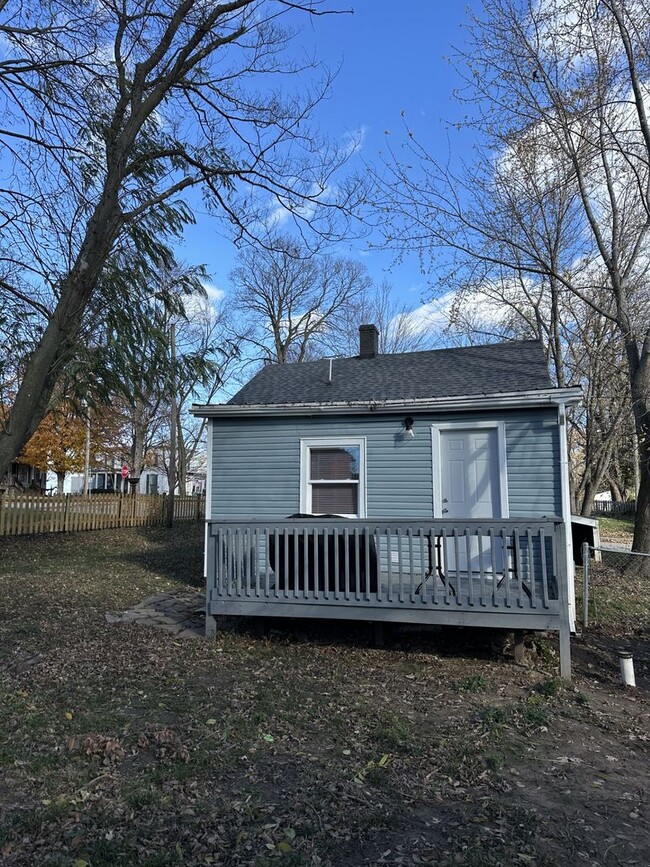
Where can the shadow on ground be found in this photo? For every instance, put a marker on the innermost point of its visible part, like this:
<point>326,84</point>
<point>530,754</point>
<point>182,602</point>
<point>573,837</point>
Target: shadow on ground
<point>175,554</point>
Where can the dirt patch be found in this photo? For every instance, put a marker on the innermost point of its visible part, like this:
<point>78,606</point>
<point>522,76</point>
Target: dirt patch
<point>302,743</point>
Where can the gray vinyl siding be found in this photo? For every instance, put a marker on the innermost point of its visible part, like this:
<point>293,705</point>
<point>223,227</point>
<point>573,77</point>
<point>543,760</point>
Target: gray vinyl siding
<point>256,462</point>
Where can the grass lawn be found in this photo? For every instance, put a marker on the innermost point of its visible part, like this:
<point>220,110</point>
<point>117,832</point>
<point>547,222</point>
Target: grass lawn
<point>122,745</point>
<point>619,529</point>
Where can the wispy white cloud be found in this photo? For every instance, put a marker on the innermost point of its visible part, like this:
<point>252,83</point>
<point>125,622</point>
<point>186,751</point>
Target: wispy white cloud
<point>438,315</point>
<point>215,295</point>
<point>305,207</point>
<point>204,307</point>
<point>352,142</point>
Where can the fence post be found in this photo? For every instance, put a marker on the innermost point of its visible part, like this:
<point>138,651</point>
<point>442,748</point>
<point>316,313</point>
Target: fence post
<point>2,513</point>
<point>585,584</point>
<point>65,514</point>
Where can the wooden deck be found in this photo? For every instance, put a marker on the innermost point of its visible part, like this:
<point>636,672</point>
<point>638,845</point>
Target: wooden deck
<point>508,574</point>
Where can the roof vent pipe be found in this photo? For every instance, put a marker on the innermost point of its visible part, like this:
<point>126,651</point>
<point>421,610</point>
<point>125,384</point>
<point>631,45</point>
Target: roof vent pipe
<point>368,341</point>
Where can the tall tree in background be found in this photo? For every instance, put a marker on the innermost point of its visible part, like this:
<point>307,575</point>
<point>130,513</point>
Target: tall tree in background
<point>207,354</point>
<point>111,111</point>
<point>176,299</point>
<point>289,299</point>
<point>400,330</point>
<point>557,91</point>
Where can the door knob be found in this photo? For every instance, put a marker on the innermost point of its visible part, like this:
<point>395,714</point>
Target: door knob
<point>444,511</point>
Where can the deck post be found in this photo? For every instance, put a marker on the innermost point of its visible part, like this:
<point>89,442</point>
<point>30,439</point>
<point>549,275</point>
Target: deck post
<point>585,584</point>
<point>519,646</point>
<point>379,634</point>
<point>565,651</point>
<point>210,625</point>
<point>563,599</point>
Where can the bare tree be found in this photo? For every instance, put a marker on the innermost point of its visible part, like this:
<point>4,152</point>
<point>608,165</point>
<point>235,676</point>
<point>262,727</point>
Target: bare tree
<point>207,355</point>
<point>556,88</point>
<point>111,111</point>
<point>289,298</point>
<point>400,328</point>
<point>582,347</point>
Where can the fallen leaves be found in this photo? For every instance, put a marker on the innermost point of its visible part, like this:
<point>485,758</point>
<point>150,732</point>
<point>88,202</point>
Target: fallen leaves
<point>316,750</point>
<point>108,749</point>
<point>165,743</point>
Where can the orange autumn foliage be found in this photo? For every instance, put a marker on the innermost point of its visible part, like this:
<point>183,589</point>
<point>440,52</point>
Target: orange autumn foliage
<point>58,444</point>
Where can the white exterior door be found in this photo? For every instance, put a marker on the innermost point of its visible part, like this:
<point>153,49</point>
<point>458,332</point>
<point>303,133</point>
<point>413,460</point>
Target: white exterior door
<point>471,484</point>
<point>469,474</point>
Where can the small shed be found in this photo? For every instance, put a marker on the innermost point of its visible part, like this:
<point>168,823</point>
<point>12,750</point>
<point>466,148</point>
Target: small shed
<point>416,487</point>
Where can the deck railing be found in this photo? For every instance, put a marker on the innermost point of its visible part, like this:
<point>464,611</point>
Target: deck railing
<point>474,565</point>
<point>508,574</point>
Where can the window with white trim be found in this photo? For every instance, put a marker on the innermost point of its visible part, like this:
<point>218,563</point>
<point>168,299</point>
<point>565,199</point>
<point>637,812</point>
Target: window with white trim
<point>333,477</point>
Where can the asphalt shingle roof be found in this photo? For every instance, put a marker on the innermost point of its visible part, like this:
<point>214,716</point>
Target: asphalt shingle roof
<point>496,368</point>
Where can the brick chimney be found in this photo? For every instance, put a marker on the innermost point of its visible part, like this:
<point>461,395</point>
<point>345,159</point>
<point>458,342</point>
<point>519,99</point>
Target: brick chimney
<point>368,341</point>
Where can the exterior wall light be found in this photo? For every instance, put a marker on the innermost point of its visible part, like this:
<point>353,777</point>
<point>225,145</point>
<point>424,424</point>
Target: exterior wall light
<point>408,427</point>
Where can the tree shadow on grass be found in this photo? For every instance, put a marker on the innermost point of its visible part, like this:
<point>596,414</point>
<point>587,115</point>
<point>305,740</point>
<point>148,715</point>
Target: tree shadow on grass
<point>174,553</point>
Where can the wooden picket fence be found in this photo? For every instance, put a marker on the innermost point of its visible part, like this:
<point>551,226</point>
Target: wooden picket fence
<point>24,514</point>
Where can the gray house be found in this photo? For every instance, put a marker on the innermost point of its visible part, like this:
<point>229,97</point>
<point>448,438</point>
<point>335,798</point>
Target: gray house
<point>425,487</point>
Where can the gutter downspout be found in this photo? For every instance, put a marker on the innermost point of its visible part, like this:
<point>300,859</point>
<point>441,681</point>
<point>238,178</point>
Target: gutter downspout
<point>566,510</point>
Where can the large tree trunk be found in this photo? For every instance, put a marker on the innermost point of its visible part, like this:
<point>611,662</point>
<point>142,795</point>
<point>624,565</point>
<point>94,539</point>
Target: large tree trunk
<point>57,343</point>
<point>588,501</point>
<point>137,452</point>
<point>60,479</point>
<point>617,496</point>
<point>639,368</point>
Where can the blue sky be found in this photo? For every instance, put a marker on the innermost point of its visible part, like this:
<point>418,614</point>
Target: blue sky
<point>393,60</point>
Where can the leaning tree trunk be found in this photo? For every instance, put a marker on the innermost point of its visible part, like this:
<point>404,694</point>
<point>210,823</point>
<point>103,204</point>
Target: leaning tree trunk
<point>56,345</point>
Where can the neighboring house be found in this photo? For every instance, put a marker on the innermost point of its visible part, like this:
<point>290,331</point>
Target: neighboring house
<point>152,481</point>
<point>195,484</point>
<point>25,478</point>
<point>449,471</point>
